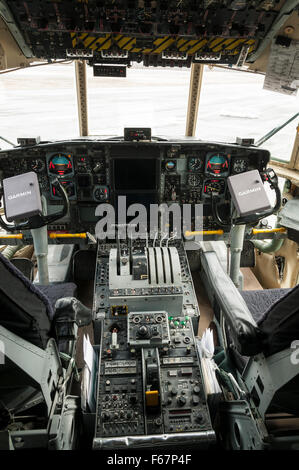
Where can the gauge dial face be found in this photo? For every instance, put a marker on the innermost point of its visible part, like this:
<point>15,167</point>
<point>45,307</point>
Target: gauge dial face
<point>37,165</point>
<point>170,165</point>
<point>194,164</point>
<point>68,186</point>
<point>194,181</point>
<point>240,165</point>
<point>60,164</point>
<point>100,193</point>
<point>216,187</point>
<point>217,164</point>
<point>98,165</point>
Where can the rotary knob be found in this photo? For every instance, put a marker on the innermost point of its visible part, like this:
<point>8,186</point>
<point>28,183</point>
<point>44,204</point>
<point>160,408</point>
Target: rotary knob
<point>172,391</point>
<point>199,418</point>
<point>181,400</point>
<point>105,416</point>
<point>143,331</point>
<point>133,399</point>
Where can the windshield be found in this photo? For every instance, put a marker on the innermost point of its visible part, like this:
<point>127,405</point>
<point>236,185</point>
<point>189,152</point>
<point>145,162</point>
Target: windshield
<point>41,101</point>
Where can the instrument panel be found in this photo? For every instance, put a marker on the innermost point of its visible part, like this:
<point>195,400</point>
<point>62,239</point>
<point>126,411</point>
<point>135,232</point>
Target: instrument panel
<point>93,172</point>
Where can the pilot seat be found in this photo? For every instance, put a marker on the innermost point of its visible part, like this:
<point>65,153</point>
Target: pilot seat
<point>258,362</point>
<point>38,332</point>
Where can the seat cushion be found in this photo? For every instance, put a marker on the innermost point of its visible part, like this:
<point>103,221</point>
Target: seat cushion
<point>260,301</point>
<point>27,309</point>
<point>57,291</point>
<point>276,312</point>
<point>261,304</point>
<point>280,323</point>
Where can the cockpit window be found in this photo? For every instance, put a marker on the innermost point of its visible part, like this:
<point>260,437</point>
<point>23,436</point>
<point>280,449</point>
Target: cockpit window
<point>42,101</point>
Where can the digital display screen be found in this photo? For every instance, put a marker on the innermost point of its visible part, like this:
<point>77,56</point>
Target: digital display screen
<point>132,174</point>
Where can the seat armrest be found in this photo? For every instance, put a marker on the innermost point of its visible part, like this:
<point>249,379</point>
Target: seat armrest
<point>69,314</point>
<point>70,309</point>
<point>244,332</point>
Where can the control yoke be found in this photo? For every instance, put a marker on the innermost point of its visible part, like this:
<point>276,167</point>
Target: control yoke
<point>37,219</point>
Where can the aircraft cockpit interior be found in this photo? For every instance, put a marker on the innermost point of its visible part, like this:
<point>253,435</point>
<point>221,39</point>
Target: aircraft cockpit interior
<point>149,285</point>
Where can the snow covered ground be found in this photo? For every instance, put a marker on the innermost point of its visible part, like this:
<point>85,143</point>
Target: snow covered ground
<point>42,101</point>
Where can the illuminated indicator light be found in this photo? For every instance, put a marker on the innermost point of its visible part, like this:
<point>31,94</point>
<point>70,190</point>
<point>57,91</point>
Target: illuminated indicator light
<point>176,323</point>
<point>170,318</point>
<point>183,323</point>
<point>187,318</point>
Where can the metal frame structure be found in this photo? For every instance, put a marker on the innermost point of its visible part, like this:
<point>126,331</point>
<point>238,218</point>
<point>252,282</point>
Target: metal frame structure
<point>81,86</point>
<point>43,366</point>
<point>267,375</point>
<point>13,28</point>
<point>193,101</point>
<point>294,162</point>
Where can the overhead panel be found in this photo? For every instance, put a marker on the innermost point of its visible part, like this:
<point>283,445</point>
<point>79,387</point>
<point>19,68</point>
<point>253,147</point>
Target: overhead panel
<point>155,33</point>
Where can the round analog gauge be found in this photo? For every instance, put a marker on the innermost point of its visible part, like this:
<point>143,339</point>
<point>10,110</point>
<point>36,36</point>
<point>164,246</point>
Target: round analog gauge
<point>37,165</point>
<point>170,165</point>
<point>100,193</point>
<point>240,165</point>
<point>60,164</point>
<point>216,187</point>
<point>217,164</point>
<point>194,181</point>
<point>194,164</point>
<point>98,165</point>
